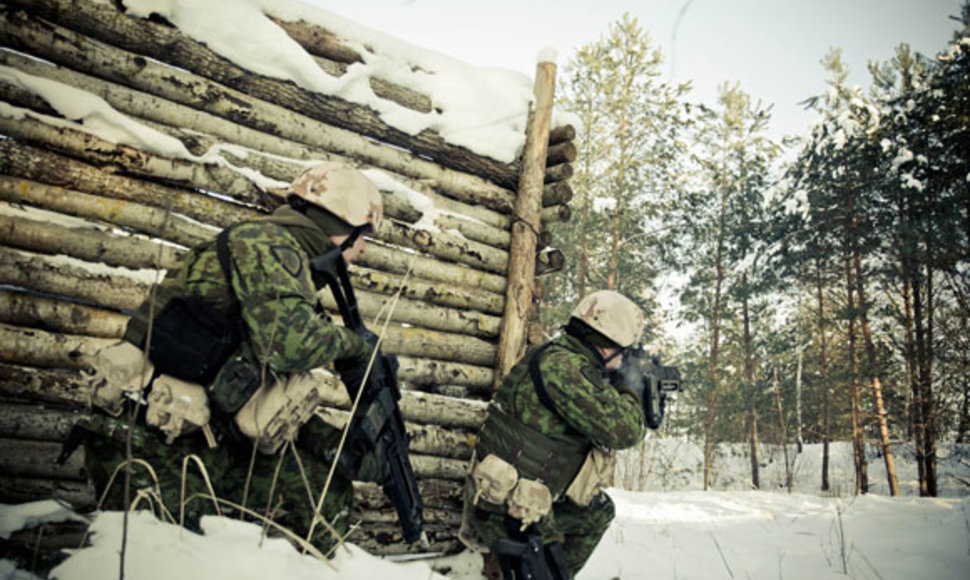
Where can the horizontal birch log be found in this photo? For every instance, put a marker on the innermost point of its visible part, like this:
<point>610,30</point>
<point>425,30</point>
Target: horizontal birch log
<point>38,347</point>
<point>58,386</point>
<point>564,152</point>
<point>561,133</point>
<point>549,260</point>
<point>415,173</point>
<point>221,180</point>
<point>405,341</point>
<point>437,493</point>
<point>80,281</point>
<point>22,457</point>
<point>104,23</point>
<point>560,172</point>
<point>431,372</point>
<point>323,44</point>
<point>43,274</point>
<point>397,261</point>
<point>126,159</point>
<point>36,422</point>
<point>34,163</point>
<point>471,228</point>
<point>87,244</point>
<point>15,489</point>
<point>71,278</point>
<point>426,290</point>
<point>442,245</point>
<point>555,214</point>
<point>177,98</point>
<point>447,284</point>
<point>66,388</point>
<point>319,41</point>
<point>32,347</point>
<point>431,467</point>
<point>126,214</point>
<point>31,310</point>
<point>556,193</point>
<point>424,439</point>
<point>422,314</point>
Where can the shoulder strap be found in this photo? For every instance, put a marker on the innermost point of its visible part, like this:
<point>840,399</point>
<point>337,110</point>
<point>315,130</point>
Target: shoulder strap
<point>537,382</point>
<point>222,253</point>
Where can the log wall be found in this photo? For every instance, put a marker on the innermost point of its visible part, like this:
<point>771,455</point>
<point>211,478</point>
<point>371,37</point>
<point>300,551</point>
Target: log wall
<point>87,225</point>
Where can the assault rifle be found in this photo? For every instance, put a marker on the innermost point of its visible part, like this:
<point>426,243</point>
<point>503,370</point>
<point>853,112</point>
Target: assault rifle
<point>378,423</point>
<point>658,382</point>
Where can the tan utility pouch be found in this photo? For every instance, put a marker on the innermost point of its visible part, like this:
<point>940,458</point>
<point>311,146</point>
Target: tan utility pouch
<point>591,476</point>
<point>117,369</point>
<point>494,479</point>
<point>274,414</point>
<point>177,407</point>
<point>530,501</point>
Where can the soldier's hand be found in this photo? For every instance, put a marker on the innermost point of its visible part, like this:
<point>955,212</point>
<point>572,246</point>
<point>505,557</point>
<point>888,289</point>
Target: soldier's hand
<point>352,371</point>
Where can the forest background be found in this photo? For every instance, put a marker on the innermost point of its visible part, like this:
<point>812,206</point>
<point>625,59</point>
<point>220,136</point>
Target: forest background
<point>811,290</point>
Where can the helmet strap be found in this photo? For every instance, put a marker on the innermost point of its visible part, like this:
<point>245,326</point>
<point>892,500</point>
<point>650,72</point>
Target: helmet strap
<point>582,332</point>
<point>354,234</point>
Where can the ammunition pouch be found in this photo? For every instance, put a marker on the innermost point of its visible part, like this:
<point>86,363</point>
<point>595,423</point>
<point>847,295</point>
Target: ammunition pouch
<point>591,477</point>
<point>116,370</point>
<point>177,407</point>
<point>275,413</point>
<point>498,482</point>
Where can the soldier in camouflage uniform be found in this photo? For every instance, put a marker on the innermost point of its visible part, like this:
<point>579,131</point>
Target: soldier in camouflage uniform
<point>271,289</point>
<point>553,423</point>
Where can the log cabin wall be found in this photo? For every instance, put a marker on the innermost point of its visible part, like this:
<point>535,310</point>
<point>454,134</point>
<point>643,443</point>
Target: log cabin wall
<point>87,224</point>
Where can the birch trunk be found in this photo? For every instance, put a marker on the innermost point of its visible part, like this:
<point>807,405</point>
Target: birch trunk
<point>528,205</point>
<point>58,386</point>
<point>33,163</point>
<point>22,309</point>
<point>72,278</point>
<point>127,214</point>
<point>87,244</point>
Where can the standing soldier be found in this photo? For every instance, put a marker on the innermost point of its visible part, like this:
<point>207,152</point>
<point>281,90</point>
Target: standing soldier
<point>534,498</point>
<point>231,336</point>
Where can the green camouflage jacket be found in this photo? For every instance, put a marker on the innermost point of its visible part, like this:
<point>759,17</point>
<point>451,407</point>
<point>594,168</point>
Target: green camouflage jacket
<point>271,279</point>
<point>587,411</point>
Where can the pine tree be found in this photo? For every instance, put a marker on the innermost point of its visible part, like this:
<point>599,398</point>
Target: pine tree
<point>627,153</point>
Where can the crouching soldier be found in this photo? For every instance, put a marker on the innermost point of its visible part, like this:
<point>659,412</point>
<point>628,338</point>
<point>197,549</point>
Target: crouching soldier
<point>533,500</point>
<point>232,336</point>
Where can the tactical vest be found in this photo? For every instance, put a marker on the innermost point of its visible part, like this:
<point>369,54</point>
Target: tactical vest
<point>552,460</point>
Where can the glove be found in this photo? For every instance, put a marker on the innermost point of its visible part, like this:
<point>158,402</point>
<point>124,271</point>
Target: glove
<point>352,371</point>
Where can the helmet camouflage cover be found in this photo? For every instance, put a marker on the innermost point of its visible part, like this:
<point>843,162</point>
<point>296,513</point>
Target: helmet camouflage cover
<point>343,191</point>
<point>611,314</point>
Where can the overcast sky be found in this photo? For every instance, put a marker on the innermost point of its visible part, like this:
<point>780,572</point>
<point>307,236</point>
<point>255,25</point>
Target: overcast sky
<point>772,47</point>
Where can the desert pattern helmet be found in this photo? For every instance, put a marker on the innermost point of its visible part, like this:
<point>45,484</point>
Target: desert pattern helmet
<point>611,314</point>
<point>343,191</point>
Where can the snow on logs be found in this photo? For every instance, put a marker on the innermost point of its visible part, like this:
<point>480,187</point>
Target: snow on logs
<point>89,220</point>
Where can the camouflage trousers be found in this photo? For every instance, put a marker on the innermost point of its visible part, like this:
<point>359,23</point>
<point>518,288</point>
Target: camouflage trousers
<point>274,487</point>
<point>579,529</point>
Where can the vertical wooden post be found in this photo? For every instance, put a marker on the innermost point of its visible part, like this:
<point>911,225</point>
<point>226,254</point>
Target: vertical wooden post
<point>525,225</point>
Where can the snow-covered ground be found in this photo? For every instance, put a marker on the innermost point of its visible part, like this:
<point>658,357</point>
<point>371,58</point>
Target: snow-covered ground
<point>729,532</point>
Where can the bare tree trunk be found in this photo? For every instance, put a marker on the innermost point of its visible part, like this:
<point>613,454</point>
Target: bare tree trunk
<point>874,377</point>
<point>858,431</point>
<point>750,387</point>
<point>823,366</point>
<point>783,427</point>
